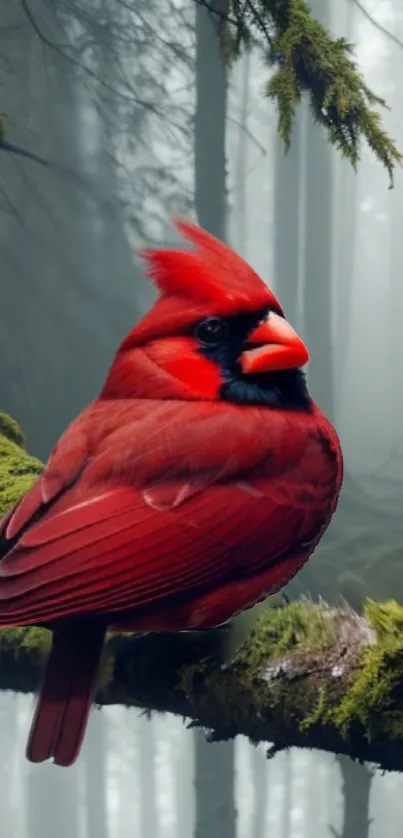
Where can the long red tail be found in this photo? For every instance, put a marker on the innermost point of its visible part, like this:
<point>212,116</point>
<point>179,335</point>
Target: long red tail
<point>65,700</point>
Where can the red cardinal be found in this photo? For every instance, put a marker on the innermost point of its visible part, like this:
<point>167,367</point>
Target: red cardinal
<point>197,483</point>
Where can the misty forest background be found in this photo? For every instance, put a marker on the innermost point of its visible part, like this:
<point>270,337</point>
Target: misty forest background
<point>132,103</point>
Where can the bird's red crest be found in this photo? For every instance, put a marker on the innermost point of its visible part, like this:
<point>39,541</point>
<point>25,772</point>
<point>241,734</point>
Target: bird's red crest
<point>210,280</point>
<point>212,272</point>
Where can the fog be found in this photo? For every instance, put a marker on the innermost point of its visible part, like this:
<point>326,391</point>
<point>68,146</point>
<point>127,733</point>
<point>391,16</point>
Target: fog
<point>130,105</point>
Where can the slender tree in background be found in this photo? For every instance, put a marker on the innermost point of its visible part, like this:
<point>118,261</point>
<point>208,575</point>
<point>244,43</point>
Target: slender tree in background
<point>310,796</point>
<point>287,222</point>
<point>318,254</point>
<point>210,192</point>
<point>149,824</point>
<point>346,226</point>
<point>260,770</point>
<point>52,804</point>
<point>124,727</point>
<point>316,248</point>
<point>240,164</point>
<point>113,260</point>
<point>286,806</point>
<point>318,325</point>
<point>356,786</point>
<point>10,808</point>
<point>214,764</point>
<point>396,215</point>
<point>259,764</point>
<point>95,777</point>
<point>214,789</point>
<point>184,797</point>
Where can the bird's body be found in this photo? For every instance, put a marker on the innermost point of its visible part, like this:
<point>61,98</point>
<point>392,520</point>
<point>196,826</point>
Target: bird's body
<point>188,491</point>
<point>227,487</point>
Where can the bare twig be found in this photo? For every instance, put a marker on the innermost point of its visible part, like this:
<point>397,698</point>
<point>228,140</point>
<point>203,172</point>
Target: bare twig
<point>211,7</point>
<point>22,152</point>
<point>38,30</point>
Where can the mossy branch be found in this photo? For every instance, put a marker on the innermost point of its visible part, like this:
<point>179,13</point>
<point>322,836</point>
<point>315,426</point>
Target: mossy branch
<point>307,60</point>
<point>308,676</point>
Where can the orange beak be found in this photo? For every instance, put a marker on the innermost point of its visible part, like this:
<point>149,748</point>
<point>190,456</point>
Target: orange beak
<point>279,348</point>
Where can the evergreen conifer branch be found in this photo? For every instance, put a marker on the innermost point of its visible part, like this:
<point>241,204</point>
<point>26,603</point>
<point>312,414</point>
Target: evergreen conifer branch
<point>306,59</point>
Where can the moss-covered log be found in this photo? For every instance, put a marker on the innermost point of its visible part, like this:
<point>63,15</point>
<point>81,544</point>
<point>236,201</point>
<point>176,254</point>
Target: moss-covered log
<point>309,675</point>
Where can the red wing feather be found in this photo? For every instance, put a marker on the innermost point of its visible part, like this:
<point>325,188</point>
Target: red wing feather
<point>116,553</point>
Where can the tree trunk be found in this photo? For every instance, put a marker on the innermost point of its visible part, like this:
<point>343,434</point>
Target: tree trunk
<point>395,313</point>
<point>214,788</point>
<point>52,805</point>
<point>241,208</point>
<point>259,782</point>
<point>318,255</point>
<point>344,253</point>
<point>184,786</point>
<point>214,765</point>
<point>287,799</point>
<point>149,823</point>
<point>94,753</point>
<point>209,128</point>
<point>356,790</point>
<point>10,809</point>
<point>287,220</point>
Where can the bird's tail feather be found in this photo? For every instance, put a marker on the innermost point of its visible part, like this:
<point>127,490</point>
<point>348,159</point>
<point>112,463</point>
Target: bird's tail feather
<point>65,700</point>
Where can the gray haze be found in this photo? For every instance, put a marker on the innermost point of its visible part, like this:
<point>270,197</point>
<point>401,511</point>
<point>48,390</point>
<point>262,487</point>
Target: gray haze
<point>130,103</point>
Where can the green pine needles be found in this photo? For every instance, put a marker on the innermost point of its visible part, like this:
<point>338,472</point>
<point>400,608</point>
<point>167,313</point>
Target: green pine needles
<point>308,60</point>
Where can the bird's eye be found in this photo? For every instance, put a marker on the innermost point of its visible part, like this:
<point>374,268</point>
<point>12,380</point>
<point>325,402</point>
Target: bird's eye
<point>211,331</point>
